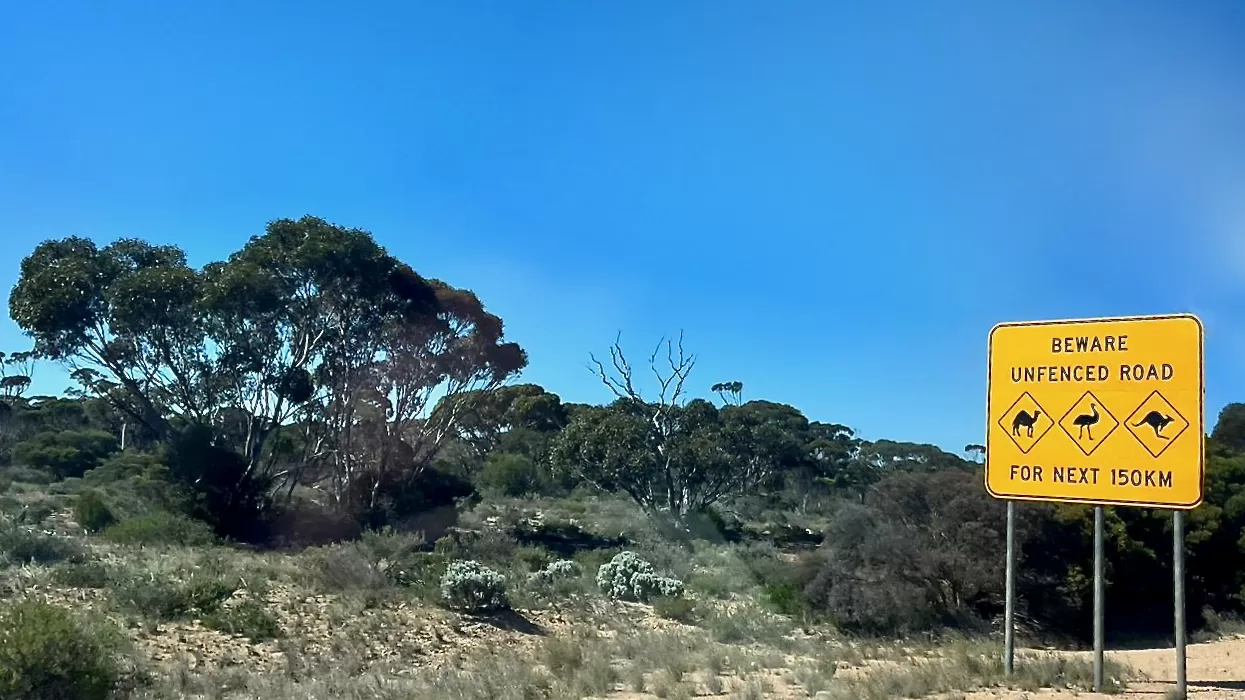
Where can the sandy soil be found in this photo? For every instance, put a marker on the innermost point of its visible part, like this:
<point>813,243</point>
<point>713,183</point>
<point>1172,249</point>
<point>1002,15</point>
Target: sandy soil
<point>1216,671</point>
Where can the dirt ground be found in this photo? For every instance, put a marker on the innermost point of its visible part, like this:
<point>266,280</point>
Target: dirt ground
<point>1216,671</point>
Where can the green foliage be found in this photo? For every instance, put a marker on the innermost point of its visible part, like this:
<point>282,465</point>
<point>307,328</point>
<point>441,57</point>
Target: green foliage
<point>490,421</point>
<point>676,608</point>
<point>307,308</point>
<point>487,546</point>
<point>137,483</point>
<point>171,600</point>
<point>45,654</point>
<point>534,558</point>
<point>36,513</point>
<point>89,574</point>
<point>910,559</point>
<point>160,529</point>
<point>248,618</point>
<point>557,571</point>
<point>510,474</point>
<point>375,565</point>
<point>29,475</point>
<point>628,577</point>
<point>787,599</point>
<point>20,545</point>
<point>682,459</point>
<point>10,507</point>
<point>6,483</point>
<point>226,494</point>
<point>901,526</point>
<point>346,566</point>
<point>66,453</point>
<point>91,512</point>
<point>745,624</point>
<point>471,587</point>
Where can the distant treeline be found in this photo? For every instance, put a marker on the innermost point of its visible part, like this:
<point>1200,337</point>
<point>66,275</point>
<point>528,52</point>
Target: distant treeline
<point>312,386</point>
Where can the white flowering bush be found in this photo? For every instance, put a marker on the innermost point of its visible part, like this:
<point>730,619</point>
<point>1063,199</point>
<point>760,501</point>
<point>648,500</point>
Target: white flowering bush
<point>557,571</point>
<point>472,587</point>
<point>628,577</point>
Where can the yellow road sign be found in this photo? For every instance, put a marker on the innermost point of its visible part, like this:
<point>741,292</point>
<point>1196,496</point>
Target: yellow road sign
<point>1102,411</point>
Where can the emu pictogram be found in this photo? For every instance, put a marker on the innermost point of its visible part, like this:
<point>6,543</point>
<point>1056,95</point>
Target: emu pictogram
<point>1024,420</point>
<point>1155,420</point>
<point>1086,421</point>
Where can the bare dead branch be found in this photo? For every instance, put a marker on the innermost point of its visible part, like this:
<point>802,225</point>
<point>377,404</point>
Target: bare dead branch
<point>671,384</point>
<point>621,385</point>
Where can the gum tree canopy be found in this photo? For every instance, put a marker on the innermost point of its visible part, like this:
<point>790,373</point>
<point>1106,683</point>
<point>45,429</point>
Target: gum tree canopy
<point>311,330</point>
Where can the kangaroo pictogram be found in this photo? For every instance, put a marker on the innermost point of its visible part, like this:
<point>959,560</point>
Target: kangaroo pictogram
<point>1155,420</point>
<point>1024,420</point>
<point>1086,421</point>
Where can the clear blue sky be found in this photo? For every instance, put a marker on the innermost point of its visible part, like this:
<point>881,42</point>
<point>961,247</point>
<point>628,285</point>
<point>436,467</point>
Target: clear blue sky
<point>835,201</point>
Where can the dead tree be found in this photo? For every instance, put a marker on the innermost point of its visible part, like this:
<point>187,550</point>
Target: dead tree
<point>671,383</point>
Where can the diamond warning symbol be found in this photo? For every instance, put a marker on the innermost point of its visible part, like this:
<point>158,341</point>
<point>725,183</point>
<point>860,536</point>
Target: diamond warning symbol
<point>1156,424</point>
<point>1025,422</point>
<point>1088,423</point>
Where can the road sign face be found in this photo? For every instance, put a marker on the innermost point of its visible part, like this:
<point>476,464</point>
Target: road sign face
<point>1098,411</point>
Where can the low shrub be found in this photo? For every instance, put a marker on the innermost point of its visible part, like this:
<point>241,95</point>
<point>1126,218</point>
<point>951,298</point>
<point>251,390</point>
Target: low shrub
<point>380,561</point>
<point>22,546</point>
<point>557,571</point>
<point>787,599</point>
<point>709,524</point>
<point>678,609</point>
<point>10,506</point>
<point>487,546</point>
<point>395,555</point>
<point>45,654</point>
<point>161,529</point>
<point>343,567</point>
<point>168,600</point>
<point>248,618</point>
<point>35,513</point>
<point>745,624</point>
<point>206,594</point>
<point>65,487</point>
<point>470,586</point>
<point>534,558</point>
<point>136,483</point>
<point>83,575</point>
<point>30,475</point>
<point>91,512</point>
<point>628,577</point>
<point>6,483</point>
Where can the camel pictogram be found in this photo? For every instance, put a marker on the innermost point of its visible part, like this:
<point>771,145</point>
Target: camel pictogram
<point>1155,420</point>
<point>1086,421</point>
<point>1024,419</point>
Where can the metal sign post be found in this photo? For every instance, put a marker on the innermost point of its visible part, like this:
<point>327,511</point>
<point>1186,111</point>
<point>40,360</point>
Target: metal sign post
<point>1009,604</point>
<point>1182,683</point>
<point>1100,587</point>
